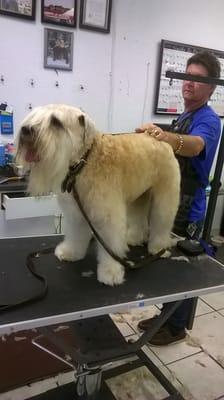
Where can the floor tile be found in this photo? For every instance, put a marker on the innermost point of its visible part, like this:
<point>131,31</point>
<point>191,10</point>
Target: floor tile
<point>221,311</point>
<point>182,389</point>
<point>209,329</point>
<point>139,384</point>
<point>202,308</point>
<point>203,377</point>
<point>166,354</point>
<point>153,357</point>
<point>215,300</point>
<point>166,371</point>
<point>125,329</point>
<point>122,325</point>
<point>174,352</point>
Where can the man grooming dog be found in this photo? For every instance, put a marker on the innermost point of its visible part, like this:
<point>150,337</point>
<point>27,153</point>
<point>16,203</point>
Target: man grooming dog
<point>194,137</point>
<point>120,174</point>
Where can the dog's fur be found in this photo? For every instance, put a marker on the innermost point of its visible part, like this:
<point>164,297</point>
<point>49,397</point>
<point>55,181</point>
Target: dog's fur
<point>121,174</point>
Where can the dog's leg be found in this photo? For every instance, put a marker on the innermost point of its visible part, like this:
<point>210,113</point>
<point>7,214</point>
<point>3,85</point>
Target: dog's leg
<point>138,221</point>
<point>114,233</point>
<point>76,229</point>
<point>165,199</point>
<point>109,271</point>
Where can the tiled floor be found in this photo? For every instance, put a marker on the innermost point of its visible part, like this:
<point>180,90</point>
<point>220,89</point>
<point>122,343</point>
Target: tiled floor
<point>195,366</point>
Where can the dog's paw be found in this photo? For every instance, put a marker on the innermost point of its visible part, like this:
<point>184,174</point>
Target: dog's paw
<point>154,246</point>
<point>64,252</point>
<point>110,274</point>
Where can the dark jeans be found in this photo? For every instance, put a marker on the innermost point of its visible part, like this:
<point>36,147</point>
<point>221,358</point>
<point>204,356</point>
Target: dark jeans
<point>180,318</point>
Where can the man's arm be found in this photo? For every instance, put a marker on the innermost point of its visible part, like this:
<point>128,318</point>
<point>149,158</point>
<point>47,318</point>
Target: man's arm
<point>184,145</point>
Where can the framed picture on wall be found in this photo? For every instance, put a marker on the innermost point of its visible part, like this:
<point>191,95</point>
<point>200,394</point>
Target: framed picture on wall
<point>58,49</point>
<point>18,8</point>
<point>59,12</point>
<point>95,15</point>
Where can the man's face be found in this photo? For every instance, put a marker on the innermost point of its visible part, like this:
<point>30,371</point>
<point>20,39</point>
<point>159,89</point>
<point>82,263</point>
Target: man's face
<point>196,91</point>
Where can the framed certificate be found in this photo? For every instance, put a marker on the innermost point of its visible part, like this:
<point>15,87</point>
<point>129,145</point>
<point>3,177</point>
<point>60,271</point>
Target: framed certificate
<point>95,15</point>
<point>20,9</point>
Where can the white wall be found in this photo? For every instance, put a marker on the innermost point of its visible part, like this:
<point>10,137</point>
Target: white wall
<point>117,70</point>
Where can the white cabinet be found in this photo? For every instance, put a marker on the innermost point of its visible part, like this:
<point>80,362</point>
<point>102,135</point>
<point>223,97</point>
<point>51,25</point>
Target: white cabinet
<point>21,215</point>
<point>19,206</point>
<point>28,226</point>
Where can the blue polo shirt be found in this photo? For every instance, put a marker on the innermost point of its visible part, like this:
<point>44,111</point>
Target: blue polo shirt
<point>205,123</point>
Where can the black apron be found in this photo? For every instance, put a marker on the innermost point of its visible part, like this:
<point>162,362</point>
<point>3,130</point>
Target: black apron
<point>189,182</point>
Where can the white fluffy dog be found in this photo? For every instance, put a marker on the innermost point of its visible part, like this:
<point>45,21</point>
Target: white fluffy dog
<point>122,172</point>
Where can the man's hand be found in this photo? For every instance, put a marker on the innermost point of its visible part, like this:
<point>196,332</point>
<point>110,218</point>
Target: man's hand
<point>192,145</point>
<point>154,131</point>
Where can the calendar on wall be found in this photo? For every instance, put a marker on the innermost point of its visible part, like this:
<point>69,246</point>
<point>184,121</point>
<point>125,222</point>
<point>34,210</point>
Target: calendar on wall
<point>173,57</point>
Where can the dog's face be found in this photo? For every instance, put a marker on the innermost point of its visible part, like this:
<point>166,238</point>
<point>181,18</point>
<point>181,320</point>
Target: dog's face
<point>50,139</point>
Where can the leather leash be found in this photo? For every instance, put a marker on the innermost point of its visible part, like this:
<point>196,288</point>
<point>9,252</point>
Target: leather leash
<point>69,185</point>
<point>30,265</point>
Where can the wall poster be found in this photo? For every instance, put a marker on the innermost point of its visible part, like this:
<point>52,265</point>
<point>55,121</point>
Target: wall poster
<point>173,57</point>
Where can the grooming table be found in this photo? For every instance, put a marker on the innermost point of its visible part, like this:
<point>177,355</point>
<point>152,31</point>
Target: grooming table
<point>76,297</point>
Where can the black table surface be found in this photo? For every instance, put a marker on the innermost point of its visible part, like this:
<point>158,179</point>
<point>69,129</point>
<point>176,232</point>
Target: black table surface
<point>73,289</point>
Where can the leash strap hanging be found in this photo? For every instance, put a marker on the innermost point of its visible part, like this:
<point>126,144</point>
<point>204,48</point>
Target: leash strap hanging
<point>31,266</point>
<point>69,185</point>
<point>125,262</point>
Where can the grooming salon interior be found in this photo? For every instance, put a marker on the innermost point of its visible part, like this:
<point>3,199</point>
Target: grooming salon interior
<point>109,58</point>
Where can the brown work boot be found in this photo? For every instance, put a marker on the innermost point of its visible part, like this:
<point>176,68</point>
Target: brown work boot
<point>145,324</point>
<point>165,336</point>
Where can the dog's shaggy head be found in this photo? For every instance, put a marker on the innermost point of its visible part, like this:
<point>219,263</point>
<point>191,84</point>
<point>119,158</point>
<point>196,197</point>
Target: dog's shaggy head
<point>51,138</point>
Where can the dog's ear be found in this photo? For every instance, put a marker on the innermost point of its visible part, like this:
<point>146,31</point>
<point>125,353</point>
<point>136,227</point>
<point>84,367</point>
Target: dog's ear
<point>81,119</point>
<point>56,123</point>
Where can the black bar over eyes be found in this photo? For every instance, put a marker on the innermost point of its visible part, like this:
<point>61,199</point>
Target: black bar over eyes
<point>195,78</point>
